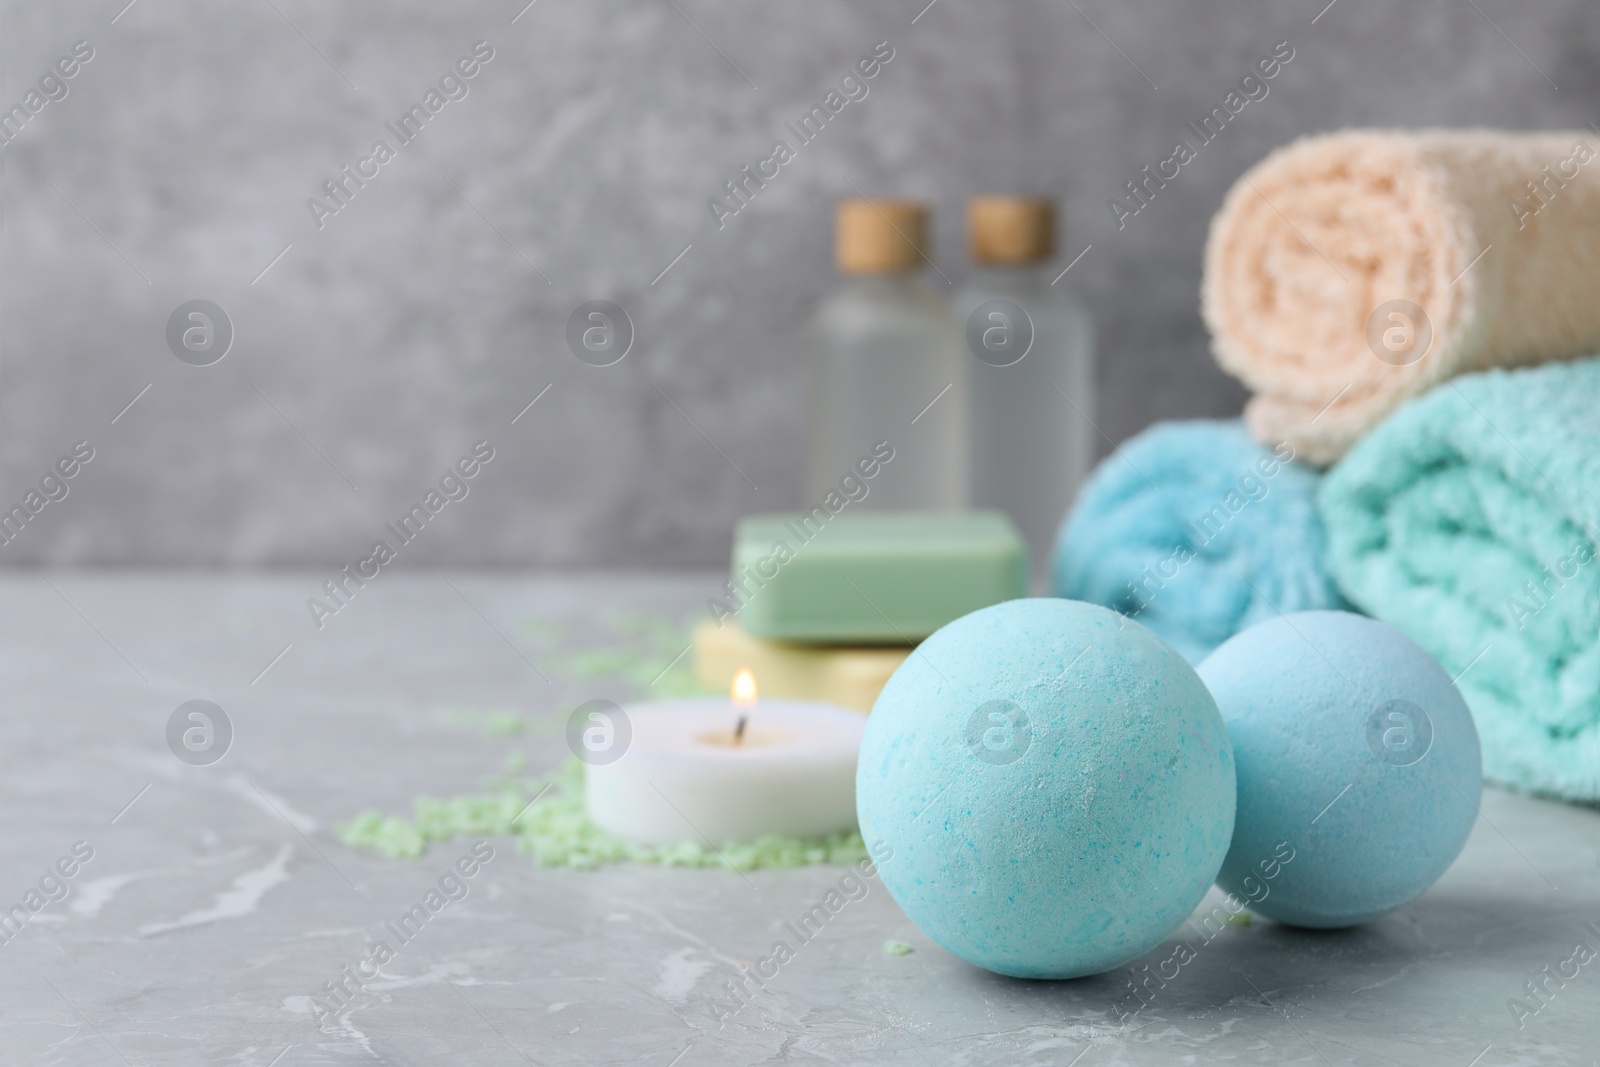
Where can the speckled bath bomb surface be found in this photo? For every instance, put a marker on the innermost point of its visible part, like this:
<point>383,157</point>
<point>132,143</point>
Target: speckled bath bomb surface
<point>1353,746</point>
<point>1055,784</point>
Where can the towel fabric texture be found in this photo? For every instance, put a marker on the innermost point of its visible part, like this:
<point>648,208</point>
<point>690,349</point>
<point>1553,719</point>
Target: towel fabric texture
<point>1348,272</point>
<point>1197,531</point>
<point>1468,521</point>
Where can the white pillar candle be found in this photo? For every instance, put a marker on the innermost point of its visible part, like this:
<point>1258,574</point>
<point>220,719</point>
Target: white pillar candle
<point>688,774</point>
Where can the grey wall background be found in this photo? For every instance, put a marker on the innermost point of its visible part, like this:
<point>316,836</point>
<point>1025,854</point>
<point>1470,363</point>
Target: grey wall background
<point>423,316</point>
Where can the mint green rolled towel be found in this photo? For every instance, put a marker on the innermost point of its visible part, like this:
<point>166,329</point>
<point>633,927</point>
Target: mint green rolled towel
<point>1469,520</point>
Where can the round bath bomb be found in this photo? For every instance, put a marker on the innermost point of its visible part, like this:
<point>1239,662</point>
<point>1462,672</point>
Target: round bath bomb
<point>1047,788</point>
<point>1359,770</point>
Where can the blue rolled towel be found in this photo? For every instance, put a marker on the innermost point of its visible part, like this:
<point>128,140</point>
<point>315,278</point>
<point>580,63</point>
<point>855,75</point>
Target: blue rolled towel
<point>1469,521</point>
<point>1197,531</point>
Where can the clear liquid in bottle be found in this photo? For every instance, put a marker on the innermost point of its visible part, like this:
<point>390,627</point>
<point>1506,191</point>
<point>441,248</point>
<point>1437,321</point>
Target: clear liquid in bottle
<point>887,365</point>
<point>1031,371</point>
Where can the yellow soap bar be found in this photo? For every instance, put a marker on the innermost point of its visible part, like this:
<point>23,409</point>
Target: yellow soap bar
<point>839,674</point>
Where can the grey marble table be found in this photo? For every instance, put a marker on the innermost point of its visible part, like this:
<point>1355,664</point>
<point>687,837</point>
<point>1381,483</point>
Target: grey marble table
<point>218,898</point>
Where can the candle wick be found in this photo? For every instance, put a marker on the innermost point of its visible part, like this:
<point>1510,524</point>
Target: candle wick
<point>738,731</point>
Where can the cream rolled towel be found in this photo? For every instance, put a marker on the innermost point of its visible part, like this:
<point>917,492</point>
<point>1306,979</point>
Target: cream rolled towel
<point>1349,271</point>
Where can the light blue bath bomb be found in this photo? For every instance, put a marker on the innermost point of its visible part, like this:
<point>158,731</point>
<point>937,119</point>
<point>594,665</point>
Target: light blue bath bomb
<point>1048,788</point>
<point>1357,758</point>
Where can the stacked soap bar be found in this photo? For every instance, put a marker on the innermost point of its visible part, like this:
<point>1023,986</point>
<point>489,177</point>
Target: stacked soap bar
<point>849,677</point>
<point>826,607</point>
<point>890,577</point>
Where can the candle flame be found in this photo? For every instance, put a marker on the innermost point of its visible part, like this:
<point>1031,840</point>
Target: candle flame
<point>743,692</point>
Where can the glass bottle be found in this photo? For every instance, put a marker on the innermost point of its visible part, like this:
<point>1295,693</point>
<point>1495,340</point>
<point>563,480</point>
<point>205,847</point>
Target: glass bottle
<point>1032,379</point>
<point>887,366</point>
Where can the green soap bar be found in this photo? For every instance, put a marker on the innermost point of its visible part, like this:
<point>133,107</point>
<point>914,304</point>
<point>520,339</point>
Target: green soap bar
<point>886,577</point>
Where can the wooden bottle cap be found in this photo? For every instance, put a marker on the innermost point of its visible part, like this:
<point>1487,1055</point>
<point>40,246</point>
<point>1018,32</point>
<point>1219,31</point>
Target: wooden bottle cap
<point>880,236</point>
<point>1010,229</point>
